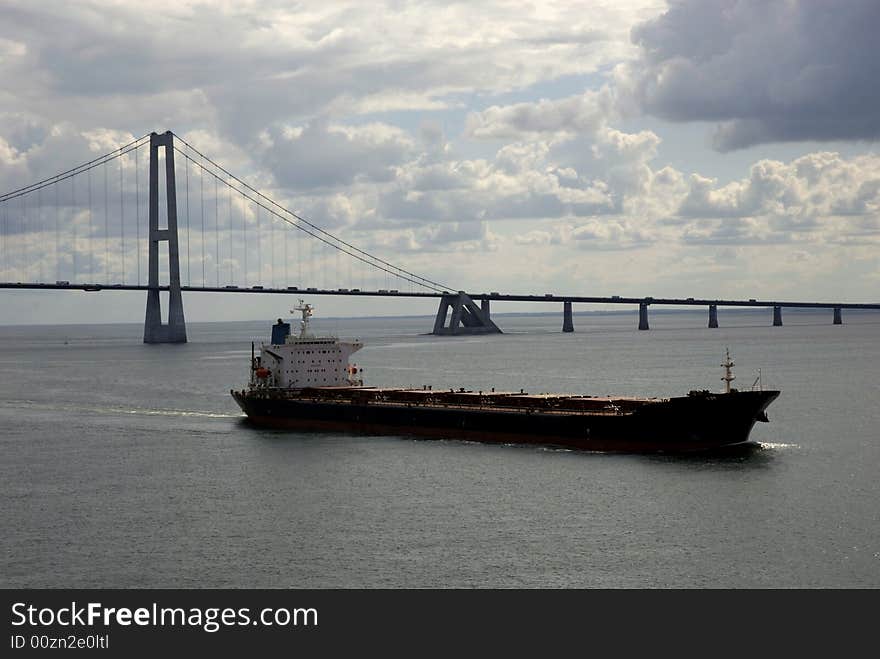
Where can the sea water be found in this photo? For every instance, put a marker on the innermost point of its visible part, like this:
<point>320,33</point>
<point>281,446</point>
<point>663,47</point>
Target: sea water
<point>129,465</point>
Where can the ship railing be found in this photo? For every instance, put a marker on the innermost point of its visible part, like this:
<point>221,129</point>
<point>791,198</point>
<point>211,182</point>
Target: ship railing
<point>609,410</point>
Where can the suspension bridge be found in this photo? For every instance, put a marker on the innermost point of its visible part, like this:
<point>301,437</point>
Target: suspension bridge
<point>102,226</point>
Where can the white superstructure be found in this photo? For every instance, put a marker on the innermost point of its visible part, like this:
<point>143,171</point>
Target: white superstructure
<point>305,360</point>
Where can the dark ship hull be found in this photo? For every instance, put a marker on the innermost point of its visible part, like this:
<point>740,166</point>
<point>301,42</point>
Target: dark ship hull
<point>696,422</point>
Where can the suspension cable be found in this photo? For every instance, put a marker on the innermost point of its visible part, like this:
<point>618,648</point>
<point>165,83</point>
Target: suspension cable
<point>106,230</point>
<point>79,169</point>
<point>202,210</point>
<point>137,211</point>
<point>244,237</point>
<point>313,226</point>
<point>188,271</point>
<point>122,214</point>
<point>91,229</point>
<point>318,237</point>
<point>258,198</point>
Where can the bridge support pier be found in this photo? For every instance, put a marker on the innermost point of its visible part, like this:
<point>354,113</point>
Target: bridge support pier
<point>154,330</point>
<point>838,317</point>
<point>466,316</point>
<point>643,316</point>
<point>567,322</point>
<point>713,316</point>
<point>777,316</point>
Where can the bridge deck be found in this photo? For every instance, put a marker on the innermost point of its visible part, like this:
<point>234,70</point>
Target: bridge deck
<point>701,302</point>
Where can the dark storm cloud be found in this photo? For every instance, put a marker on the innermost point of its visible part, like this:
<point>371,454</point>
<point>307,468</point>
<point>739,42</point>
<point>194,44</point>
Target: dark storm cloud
<point>766,71</point>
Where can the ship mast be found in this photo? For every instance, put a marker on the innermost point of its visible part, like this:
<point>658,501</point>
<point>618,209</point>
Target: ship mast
<point>728,371</point>
<point>306,310</point>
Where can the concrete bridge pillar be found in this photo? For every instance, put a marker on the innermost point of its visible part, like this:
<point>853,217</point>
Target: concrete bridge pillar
<point>838,317</point>
<point>777,316</point>
<point>465,318</point>
<point>154,330</point>
<point>713,316</point>
<point>567,322</point>
<point>643,316</point>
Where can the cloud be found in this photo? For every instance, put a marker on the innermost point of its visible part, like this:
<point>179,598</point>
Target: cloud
<point>611,234</point>
<point>819,197</point>
<point>112,63</point>
<point>324,155</point>
<point>595,233</point>
<point>447,237</point>
<point>519,183</point>
<point>582,114</point>
<point>765,72</point>
<point>534,238</point>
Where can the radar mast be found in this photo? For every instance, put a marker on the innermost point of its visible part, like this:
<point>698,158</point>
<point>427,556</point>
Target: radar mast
<point>306,310</point>
<point>728,371</point>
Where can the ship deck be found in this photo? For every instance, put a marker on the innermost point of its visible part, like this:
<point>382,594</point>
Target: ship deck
<point>500,401</point>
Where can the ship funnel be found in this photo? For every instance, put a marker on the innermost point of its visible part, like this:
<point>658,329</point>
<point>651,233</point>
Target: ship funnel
<point>280,332</point>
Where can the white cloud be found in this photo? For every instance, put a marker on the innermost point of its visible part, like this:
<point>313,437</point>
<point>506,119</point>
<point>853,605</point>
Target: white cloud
<point>818,197</point>
<point>10,49</point>
<point>583,114</point>
<point>262,63</point>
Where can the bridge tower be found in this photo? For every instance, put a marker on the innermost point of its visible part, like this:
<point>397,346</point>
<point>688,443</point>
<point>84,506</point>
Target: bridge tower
<point>154,330</point>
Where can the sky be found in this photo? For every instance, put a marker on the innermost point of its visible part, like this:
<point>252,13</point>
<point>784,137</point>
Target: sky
<point>695,148</point>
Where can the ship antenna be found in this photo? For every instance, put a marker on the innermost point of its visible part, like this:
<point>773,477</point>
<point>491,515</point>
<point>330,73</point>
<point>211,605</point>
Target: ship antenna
<point>728,371</point>
<point>306,310</point>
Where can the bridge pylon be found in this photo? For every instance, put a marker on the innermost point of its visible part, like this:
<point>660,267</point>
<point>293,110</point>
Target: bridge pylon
<point>154,330</point>
<point>713,316</point>
<point>777,316</point>
<point>567,322</point>
<point>643,316</point>
<point>466,316</point>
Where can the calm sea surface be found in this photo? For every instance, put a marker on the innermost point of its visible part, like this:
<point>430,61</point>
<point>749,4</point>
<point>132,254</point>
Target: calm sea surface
<point>126,465</point>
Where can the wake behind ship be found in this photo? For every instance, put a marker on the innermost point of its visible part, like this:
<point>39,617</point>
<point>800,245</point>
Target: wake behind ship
<point>307,382</point>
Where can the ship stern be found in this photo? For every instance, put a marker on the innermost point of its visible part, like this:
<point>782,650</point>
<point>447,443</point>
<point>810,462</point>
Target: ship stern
<point>239,397</point>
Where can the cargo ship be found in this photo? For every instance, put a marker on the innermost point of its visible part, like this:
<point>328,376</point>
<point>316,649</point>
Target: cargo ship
<point>306,382</point>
